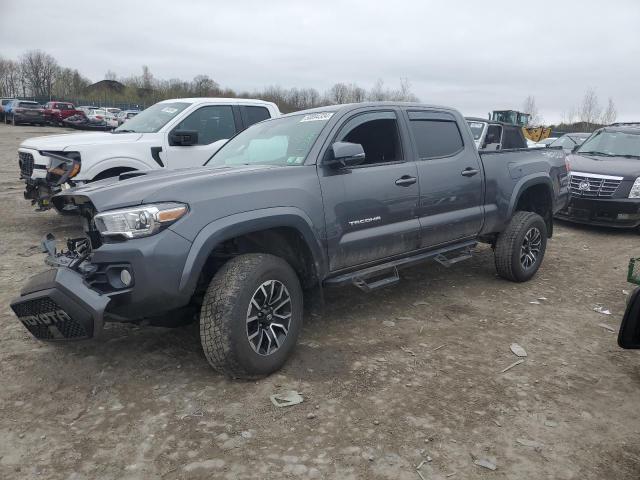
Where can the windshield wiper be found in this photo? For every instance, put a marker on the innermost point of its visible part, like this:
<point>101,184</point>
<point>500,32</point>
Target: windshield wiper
<point>123,131</point>
<point>604,154</point>
<point>628,155</point>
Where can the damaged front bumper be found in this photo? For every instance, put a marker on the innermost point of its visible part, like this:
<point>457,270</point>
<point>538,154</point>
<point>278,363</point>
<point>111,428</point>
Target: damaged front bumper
<point>119,282</point>
<point>58,305</point>
<point>46,174</point>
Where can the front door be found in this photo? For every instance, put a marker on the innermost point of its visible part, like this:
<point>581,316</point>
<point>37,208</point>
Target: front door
<point>215,124</point>
<point>451,187</point>
<point>370,210</point>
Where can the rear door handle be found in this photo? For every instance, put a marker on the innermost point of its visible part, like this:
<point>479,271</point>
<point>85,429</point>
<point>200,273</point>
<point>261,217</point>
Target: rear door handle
<point>469,172</point>
<point>406,180</point>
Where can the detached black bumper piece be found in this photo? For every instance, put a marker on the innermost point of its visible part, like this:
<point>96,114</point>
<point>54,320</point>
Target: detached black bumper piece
<point>57,305</point>
<point>611,212</point>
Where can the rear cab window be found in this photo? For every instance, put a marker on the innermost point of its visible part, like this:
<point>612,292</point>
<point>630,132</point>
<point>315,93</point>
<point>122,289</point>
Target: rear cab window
<point>436,134</point>
<point>253,114</point>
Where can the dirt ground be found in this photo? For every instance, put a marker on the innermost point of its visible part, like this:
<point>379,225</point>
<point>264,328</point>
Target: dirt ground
<point>390,379</point>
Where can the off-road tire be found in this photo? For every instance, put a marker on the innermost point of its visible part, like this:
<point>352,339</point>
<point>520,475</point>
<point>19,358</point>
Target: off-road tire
<point>223,316</point>
<point>508,247</point>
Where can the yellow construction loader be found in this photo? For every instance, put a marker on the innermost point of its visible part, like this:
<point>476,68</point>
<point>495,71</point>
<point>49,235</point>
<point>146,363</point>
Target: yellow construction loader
<point>513,117</point>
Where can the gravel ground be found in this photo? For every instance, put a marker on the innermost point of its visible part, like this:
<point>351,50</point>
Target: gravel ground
<point>390,379</point>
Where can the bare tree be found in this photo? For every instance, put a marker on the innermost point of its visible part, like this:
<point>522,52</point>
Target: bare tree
<point>529,106</point>
<point>377,92</point>
<point>110,75</point>
<point>10,78</point>
<point>590,109</point>
<point>404,94</point>
<point>147,78</point>
<point>203,86</point>
<point>39,70</point>
<point>610,113</point>
<point>338,93</point>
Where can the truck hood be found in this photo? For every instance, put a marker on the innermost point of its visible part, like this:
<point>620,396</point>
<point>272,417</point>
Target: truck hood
<point>151,186</point>
<point>71,141</point>
<point>629,168</point>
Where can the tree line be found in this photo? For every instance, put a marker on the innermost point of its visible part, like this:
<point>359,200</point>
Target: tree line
<point>38,74</point>
<point>587,116</point>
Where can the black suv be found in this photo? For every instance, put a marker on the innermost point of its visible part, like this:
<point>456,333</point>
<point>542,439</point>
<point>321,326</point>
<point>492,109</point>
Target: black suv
<point>605,178</point>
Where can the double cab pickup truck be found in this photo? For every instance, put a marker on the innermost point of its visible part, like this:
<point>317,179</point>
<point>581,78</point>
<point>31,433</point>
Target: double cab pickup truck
<point>339,195</point>
<point>170,134</point>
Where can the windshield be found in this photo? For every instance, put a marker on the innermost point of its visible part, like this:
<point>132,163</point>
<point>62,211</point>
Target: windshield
<point>282,141</point>
<point>476,129</point>
<point>612,144</point>
<point>153,118</point>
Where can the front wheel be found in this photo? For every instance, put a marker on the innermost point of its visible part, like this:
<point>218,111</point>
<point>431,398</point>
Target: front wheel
<point>251,316</point>
<point>520,247</point>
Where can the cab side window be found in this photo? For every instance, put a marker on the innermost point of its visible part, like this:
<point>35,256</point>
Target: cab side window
<point>436,138</point>
<point>213,123</point>
<point>377,133</point>
<point>251,115</point>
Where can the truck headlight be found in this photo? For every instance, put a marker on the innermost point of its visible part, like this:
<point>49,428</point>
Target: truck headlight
<point>139,221</point>
<point>635,189</point>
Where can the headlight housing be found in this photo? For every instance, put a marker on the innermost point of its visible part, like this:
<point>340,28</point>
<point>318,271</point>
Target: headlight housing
<point>635,189</point>
<point>140,221</point>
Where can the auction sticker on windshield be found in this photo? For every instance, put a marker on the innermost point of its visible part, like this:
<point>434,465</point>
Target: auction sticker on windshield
<point>317,117</point>
<point>169,110</point>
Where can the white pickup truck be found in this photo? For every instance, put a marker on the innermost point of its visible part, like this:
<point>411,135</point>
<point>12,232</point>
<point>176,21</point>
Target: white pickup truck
<point>171,134</point>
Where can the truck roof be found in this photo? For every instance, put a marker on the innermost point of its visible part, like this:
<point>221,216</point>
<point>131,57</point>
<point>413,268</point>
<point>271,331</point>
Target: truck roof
<point>218,100</point>
<point>623,129</point>
<point>351,106</point>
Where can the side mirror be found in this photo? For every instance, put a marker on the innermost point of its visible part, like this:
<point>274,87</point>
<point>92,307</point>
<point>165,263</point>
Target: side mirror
<point>346,154</point>
<point>629,335</point>
<point>183,138</point>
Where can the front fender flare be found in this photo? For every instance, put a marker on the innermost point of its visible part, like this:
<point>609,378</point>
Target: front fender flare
<point>244,223</point>
<point>108,163</point>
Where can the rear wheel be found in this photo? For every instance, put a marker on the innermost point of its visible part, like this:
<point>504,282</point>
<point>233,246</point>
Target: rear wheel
<point>521,246</point>
<point>251,316</point>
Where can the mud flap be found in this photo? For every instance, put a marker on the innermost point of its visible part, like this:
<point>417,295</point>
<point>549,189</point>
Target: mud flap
<point>57,305</point>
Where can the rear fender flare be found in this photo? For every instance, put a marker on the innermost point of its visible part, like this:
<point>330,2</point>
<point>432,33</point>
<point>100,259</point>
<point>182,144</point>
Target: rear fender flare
<point>244,223</point>
<point>526,182</point>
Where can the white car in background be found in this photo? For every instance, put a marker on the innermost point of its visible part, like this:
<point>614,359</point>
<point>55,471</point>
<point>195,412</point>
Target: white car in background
<point>171,134</point>
<point>102,114</point>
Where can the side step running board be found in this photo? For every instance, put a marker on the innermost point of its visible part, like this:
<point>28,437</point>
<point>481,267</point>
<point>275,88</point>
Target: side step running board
<point>365,285</point>
<point>378,276</point>
<point>445,261</point>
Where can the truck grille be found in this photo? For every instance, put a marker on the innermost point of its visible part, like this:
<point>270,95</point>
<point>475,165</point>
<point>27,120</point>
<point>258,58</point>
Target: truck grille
<point>592,185</point>
<point>25,160</point>
<point>53,327</point>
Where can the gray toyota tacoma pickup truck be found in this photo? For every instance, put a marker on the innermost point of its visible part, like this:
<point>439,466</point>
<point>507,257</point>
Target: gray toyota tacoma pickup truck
<point>338,195</point>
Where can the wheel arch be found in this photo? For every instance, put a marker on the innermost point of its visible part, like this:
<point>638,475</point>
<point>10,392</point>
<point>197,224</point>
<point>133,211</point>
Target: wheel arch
<point>286,232</point>
<point>534,194</point>
<point>124,164</point>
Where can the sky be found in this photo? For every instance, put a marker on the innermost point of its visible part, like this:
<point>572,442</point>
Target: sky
<point>474,56</point>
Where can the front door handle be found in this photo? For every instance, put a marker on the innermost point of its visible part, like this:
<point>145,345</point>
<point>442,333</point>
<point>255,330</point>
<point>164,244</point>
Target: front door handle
<point>406,180</point>
<point>469,172</point>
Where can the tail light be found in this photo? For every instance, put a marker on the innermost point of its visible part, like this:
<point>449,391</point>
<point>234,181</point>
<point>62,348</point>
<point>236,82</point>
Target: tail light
<point>99,117</point>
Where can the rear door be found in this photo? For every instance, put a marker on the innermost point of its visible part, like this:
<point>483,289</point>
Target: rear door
<point>370,210</point>
<point>215,125</point>
<point>450,177</point>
